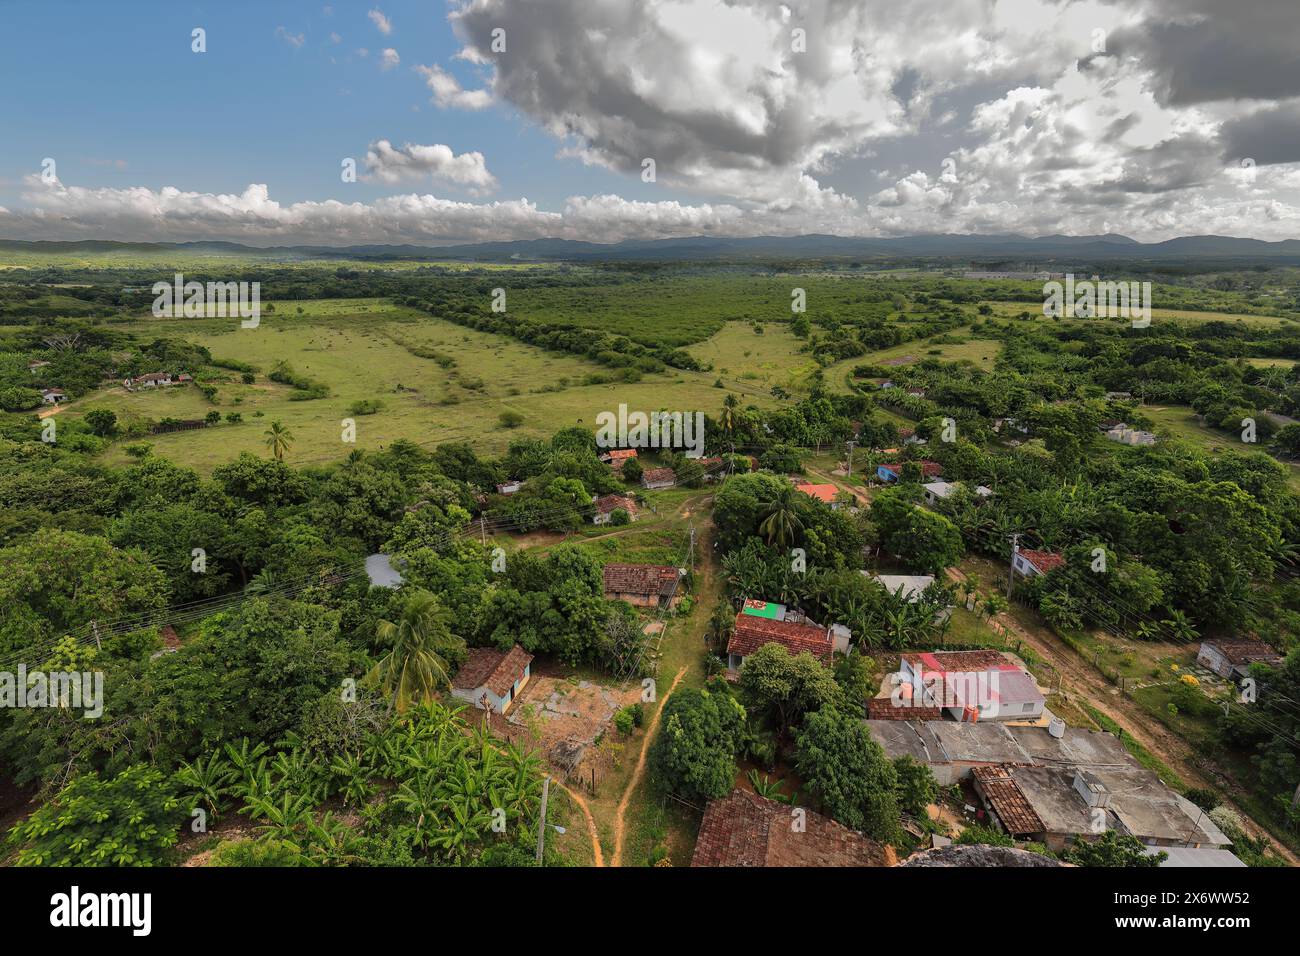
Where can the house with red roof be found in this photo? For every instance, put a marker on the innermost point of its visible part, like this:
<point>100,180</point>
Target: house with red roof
<point>824,493</point>
<point>491,679</point>
<point>605,506</point>
<point>752,632</point>
<point>894,470</point>
<point>971,685</point>
<point>1030,563</point>
<point>643,585</point>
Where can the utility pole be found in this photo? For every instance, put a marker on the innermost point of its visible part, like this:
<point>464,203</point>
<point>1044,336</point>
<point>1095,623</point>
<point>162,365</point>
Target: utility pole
<point>541,826</point>
<point>851,445</point>
<point>94,628</point>
<point>1011,571</point>
<point>482,528</point>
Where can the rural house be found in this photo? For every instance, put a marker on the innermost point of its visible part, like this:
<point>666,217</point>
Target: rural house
<point>1232,659</point>
<point>1031,563</point>
<point>974,685</point>
<point>606,505</point>
<point>509,487</point>
<point>491,679</point>
<point>744,829</point>
<point>52,396</point>
<point>658,478</point>
<point>937,491</point>
<point>617,457</point>
<point>149,380</point>
<point>752,632</point>
<point>892,471</point>
<point>642,585</point>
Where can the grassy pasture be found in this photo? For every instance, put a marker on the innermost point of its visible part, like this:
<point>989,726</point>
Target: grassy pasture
<point>361,349</point>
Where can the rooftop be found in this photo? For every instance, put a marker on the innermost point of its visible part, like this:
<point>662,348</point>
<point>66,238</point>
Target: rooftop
<point>645,579</point>
<point>753,632</point>
<point>745,829</point>
<point>1044,561</point>
<point>824,493</point>
<point>496,670</point>
<point>1244,652</point>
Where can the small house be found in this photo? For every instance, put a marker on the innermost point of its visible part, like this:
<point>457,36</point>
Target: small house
<point>1231,660</point>
<point>617,457</point>
<point>605,506</point>
<point>491,679</point>
<point>937,491</point>
<point>52,396</point>
<point>745,829</point>
<point>656,478</point>
<point>1030,563</point>
<point>752,632</point>
<point>643,585</point>
<point>509,487</point>
<point>893,470</point>
<point>37,365</point>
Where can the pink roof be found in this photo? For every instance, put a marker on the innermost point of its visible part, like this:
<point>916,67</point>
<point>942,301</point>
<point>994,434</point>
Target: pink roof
<point>824,493</point>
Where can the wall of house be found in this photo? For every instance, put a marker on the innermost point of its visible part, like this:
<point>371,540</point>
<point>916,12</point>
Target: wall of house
<point>1211,658</point>
<point>475,697</point>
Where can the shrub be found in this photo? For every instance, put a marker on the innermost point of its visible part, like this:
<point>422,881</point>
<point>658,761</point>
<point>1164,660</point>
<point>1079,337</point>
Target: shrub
<point>366,406</point>
<point>510,419</point>
<point>132,819</point>
<point>213,417</point>
<point>619,516</point>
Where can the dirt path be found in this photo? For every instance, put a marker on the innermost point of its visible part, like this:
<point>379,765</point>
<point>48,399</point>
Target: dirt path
<point>632,784</point>
<point>1077,678</point>
<point>591,821</point>
<point>858,494</point>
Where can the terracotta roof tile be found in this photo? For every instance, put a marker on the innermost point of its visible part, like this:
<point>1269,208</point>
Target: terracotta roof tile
<point>745,829</point>
<point>646,579</point>
<point>496,670</point>
<point>753,632</point>
<point>1044,561</point>
<point>1008,801</point>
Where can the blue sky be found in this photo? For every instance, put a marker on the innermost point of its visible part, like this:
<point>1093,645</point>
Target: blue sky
<point>861,118</point>
<point>122,100</point>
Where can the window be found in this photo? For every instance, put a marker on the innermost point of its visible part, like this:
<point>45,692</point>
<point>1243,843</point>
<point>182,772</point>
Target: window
<point>1026,708</point>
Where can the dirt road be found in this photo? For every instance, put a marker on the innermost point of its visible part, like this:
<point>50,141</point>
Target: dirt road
<point>639,772</point>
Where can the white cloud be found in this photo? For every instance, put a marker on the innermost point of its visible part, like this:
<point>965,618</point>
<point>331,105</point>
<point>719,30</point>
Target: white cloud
<point>381,22</point>
<point>448,93</point>
<point>389,59</point>
<point>295,40</point>
<point>387,163</point>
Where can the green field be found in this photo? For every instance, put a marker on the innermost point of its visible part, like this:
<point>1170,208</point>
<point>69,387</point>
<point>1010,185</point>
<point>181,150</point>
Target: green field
<point>361,349</point>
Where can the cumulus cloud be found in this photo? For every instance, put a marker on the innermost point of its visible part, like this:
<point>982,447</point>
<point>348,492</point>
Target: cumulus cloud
<point>381,22</point>
<point>389,164</point>
<point>389,59</point>
<point>448,93</point>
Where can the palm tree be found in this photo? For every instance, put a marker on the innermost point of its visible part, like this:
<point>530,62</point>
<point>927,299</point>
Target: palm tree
<point>278,439</point>
<point>729,406</point>
<point>1180,628</point>
<point>994,604</point>
<point>419,641</point>
<point>781,524</point>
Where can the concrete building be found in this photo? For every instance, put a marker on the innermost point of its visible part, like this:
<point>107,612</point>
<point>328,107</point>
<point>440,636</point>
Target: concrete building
<point>1231,660</point>
<point>643,585</point>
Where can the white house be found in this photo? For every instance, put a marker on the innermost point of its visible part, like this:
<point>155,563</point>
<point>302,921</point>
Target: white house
<point>509,487</point>
<point>606,505</point>
<point>937,491</point>
<point>52,396</point>
<point>491,679</point>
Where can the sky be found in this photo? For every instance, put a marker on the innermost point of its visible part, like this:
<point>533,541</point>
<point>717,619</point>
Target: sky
<point>604,120</point>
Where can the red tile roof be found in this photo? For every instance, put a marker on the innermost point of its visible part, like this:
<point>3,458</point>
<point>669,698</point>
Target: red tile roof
<point>607,504</point>
<point>621,454</point>
<point>643,579</point>
<point>1245,652</point>
<point>745,829</point>
<point>1044,561</point>
<point>496,670</point>
<point>657,474</point>
<point>1008,801</point>
<point>951,661</point>
<point>753,632</point>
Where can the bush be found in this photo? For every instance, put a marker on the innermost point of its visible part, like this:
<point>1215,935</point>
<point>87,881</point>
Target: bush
<point>102,422</point>
<point>632,471</point>
<point>132,819</point>
<point>619,516</point>
<point>213,417</point>
<point>510,419</point>
<point>234,418</point>
<point>623,722</point>
<point>248,378</point>
<point>366,406</point>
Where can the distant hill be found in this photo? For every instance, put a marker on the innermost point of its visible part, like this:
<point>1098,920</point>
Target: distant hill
<point>938,246</point>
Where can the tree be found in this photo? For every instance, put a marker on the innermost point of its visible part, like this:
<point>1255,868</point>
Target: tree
<point>694,755</point>
<point>917,788</point>
<point>849,773</point>
<point>781,523</point>
<point>632,471</point>
<point>131,819</point>
<point>102,422</point>
<point>279,439</point>
<point>420,642</point>
<point>781,688</point>
<point>1114,850</point>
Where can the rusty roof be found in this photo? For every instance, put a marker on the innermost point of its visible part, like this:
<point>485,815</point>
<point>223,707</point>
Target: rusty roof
<point>745,829</point>
<point>1008,801</point>
<point>753,632</point>
<point>645,579</point>
<point>496,670</point>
